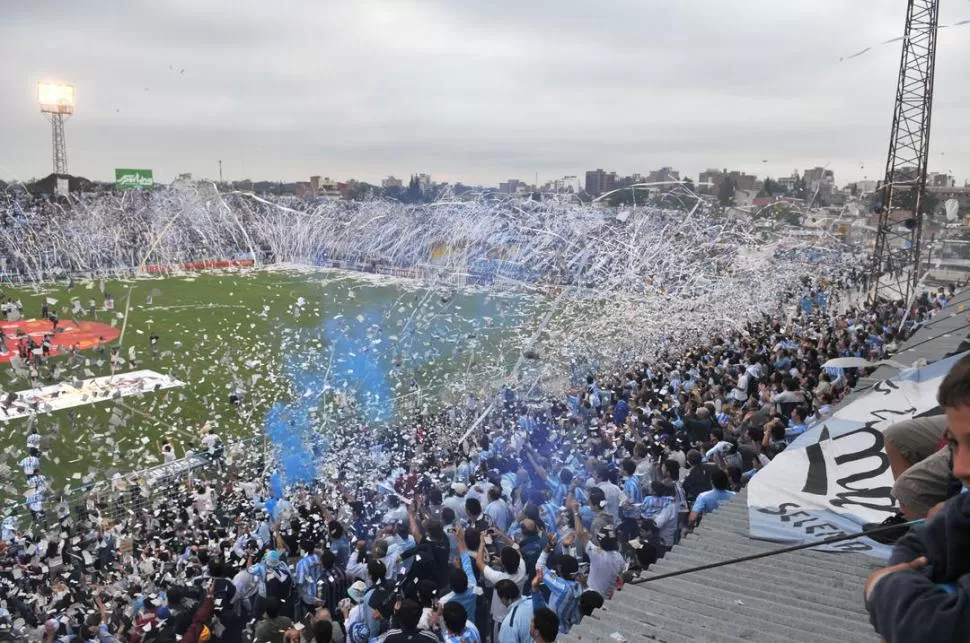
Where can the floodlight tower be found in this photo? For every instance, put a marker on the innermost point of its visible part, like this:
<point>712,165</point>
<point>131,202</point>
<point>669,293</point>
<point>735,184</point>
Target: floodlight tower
<point>894,272</point>
<point>57,104</point>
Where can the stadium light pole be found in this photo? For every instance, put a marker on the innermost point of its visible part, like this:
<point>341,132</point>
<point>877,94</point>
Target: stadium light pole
<point>57,102</point>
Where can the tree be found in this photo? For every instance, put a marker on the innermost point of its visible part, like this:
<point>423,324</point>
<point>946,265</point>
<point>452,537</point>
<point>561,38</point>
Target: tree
<point>931,203</point>
<point>786,214</point>
<point>359,190</point>
<point>905,199</point>
<point>725,194</point>
<point>770,187</point>
<point>414,194</point>
<point>394,192</point>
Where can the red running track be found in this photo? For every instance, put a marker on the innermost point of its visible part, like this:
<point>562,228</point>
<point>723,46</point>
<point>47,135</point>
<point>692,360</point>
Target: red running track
<point>82,334</point>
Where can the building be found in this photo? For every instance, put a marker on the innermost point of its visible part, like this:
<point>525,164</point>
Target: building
<point>513,186</point>
<point>599,182</point>
<point>424,182</point>
<point>820,184</point>
<point>867,186</point>
<point>744,181</point>
<point>709,181</point>
<point>565,185</point>
<point>391,182</point>
<point>716,178</point>
<point>319,186</point>
<point>940,180</point>
<point>665,173</point>
<point>961,195</point>
<point>789,183</point>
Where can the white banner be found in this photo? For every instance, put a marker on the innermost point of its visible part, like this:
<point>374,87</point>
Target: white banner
<point>70,394</point>
<point>836,476</point>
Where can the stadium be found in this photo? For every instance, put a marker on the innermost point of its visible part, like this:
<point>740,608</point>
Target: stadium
<point>631,408</point>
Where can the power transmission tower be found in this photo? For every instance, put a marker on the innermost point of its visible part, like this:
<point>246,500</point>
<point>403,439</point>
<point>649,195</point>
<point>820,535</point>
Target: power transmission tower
<point>894,273</point>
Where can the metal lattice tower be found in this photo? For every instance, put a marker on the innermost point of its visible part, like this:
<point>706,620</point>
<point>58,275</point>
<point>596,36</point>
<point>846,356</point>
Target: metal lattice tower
<point>58,142</point>
<point>894,273</point>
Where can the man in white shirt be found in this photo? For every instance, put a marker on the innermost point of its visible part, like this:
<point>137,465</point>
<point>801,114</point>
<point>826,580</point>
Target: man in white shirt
<point>513,569</point>
<point>614,495</point>
<point>168,453</point>
<point>740,392</point>
<point>662,507</point>
<point>210,440</point>
<point>605,561</point>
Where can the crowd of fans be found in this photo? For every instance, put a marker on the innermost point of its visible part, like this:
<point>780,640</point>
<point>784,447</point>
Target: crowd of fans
<point>516,534</point>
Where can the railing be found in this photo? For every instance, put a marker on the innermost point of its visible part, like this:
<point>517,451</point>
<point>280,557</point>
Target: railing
<point>139,490</point>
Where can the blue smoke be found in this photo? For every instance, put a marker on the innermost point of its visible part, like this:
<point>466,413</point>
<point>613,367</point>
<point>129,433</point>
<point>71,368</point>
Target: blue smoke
<point>360,364</point>
<point>288,423</point>
<point>362,361</point>
<point>356,369</point>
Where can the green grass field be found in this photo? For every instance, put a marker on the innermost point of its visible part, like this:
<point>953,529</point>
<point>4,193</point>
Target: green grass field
<point>220,330</point>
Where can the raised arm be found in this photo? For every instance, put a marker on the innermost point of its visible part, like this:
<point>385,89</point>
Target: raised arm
<point>465,558</point>
<point>539,469</point>
<point>480,559</point>
<point>415,527</point>
<point>581,536</point>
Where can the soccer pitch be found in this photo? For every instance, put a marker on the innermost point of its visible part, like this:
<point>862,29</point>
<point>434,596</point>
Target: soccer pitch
<point>382,349</point>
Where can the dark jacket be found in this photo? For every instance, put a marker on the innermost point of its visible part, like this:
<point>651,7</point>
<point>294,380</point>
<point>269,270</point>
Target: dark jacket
<point>431,562</point>
<point>932,604</point>
<point>698,481</point>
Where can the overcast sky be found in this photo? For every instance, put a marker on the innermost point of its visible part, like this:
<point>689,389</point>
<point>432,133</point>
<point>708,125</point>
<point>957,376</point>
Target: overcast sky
<point>469,90</point>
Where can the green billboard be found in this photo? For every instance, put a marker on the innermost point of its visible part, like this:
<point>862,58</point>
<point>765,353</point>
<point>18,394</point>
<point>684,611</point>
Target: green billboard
<point>134,179</point>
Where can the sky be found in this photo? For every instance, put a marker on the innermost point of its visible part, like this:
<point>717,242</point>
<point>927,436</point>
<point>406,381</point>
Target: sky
<point>469,91</point>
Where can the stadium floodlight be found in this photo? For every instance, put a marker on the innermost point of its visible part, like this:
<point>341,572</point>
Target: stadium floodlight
<point>56,98</point>
<point>57,101</point>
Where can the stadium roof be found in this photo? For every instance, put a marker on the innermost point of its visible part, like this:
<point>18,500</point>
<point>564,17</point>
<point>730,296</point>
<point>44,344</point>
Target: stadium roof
<point>798,596</point>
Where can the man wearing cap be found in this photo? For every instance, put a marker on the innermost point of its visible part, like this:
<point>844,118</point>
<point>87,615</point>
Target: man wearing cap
<point>924,595</point>
<point>355,609</point>
<point>566,595</point>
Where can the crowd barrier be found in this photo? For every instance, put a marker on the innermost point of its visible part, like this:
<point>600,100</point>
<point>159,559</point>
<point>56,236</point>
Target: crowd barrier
<point>199,265</point>
<point>127,494</point>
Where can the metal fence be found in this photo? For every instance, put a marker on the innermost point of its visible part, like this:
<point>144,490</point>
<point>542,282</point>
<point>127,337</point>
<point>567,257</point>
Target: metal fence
<point>128,494</point>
